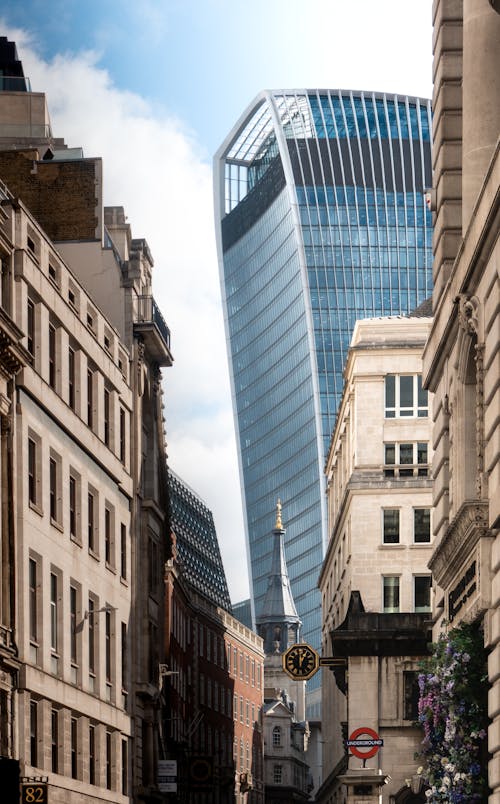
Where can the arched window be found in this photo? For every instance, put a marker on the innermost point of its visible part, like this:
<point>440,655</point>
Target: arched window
<point>277,735</point>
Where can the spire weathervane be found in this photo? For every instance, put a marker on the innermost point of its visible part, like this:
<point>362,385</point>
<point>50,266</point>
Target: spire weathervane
<point>278,525</point>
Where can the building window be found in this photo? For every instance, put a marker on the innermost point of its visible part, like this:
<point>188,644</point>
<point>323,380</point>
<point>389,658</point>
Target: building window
<point>71,378</point>
<point>122,436</point>
<point>124,767</point>
<point>422,593</point>
<point>92,657</point>
<point>109,540</point>
<point>108,341</point>
<point>34,733</point>
<point>91,318</point>
<point>411,695</point>
<point>422,525</point>
<point>91,754</point>
<point>52,356</point>
<point>92,521</point>
<point>73,599</point>
<point>123,551</point>
<point>54,274</point>
<point>73,296</point>
<point>124,655</point>
<point>31,245</point>
<point>74,747</point>
<point>406,460</point>
<point>108,655</point>
<point>74,505</point>
<point>276,736</point>
<point>106,416</point>
<point>34,471</point>
<point>31,328</point>
<point>55,488</point>
<point>404,396</point>
<point>391,525</point>
<point>122,364</point>
<point>33,601</point>
<point>54,740</point>
<point>31,471</point>
<point>391,594</point>
<point>90,398</point>
<point>277,774</point>
<point>54,615</point>
<point>108,760</point>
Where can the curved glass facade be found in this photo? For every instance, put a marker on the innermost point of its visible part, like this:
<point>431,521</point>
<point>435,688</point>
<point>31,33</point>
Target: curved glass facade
<point>321,220</point>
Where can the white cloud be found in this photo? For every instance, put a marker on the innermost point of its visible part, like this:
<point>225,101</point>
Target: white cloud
<point>152,166</point>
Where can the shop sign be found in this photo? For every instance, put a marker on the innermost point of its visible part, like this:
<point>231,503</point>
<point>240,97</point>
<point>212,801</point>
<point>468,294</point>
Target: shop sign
<point>167,775</point>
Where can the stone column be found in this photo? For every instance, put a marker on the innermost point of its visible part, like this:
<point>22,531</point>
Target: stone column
<point>481,98</point>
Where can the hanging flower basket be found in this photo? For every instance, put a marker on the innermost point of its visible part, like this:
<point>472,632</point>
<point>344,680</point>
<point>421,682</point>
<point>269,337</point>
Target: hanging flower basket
<point>453,713</point>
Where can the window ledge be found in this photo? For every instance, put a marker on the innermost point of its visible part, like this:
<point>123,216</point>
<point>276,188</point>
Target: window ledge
<point>34,507</point>
<point>57,525</point>
<point>389,546</point>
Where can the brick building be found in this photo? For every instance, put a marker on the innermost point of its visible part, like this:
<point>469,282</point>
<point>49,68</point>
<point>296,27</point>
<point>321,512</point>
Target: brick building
<point>213,688</point>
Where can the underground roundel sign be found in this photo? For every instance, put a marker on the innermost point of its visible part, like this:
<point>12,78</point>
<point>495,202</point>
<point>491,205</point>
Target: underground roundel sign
<point>364,743</point>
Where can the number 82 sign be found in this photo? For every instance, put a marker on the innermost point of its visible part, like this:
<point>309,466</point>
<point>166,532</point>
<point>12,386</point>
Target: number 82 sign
<point>34,793</point>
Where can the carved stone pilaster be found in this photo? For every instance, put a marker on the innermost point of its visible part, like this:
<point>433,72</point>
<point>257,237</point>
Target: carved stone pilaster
<point>480,419</point>
<point>156,380</point>
<point>141,352</point>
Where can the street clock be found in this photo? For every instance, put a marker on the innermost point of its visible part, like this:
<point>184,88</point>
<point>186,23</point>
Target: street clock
<point>300,661</point>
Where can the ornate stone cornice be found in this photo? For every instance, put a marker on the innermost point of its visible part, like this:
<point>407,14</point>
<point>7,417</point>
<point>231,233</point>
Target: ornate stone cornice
<point>463,533</point>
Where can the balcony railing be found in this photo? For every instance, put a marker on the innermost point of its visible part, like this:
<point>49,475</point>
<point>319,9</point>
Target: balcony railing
<point>148,312</point>
<point>14,83</point>
<point>150,324</point>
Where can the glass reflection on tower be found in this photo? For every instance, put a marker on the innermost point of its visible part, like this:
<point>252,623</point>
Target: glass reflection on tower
<point>321,220</point>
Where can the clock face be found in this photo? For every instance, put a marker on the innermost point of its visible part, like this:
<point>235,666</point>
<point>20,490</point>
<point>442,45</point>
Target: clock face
<point>300,661</point>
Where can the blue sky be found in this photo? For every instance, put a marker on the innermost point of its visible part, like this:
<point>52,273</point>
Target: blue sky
<point>154,86</point>
<point>205,60</point>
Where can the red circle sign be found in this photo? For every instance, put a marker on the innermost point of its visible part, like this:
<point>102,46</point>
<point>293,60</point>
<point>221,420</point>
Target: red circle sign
<point>372,742</point>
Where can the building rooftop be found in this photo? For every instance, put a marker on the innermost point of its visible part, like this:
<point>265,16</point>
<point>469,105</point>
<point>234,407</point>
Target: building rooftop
<point>198,550</point>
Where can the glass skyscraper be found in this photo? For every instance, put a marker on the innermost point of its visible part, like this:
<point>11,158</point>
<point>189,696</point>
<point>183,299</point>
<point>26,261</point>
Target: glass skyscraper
<point>321,219</point>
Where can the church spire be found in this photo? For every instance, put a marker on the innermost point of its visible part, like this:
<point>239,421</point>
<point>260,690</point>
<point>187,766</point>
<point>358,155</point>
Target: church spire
<point>278,623</point>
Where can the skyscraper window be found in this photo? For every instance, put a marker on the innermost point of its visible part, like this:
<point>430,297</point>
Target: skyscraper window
<point>321,220</point>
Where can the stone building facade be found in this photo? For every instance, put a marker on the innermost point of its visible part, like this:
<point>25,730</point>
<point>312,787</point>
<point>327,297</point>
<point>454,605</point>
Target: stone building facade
<point>375,583</point>
<point>461,359</point>
<point>86,480</point>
